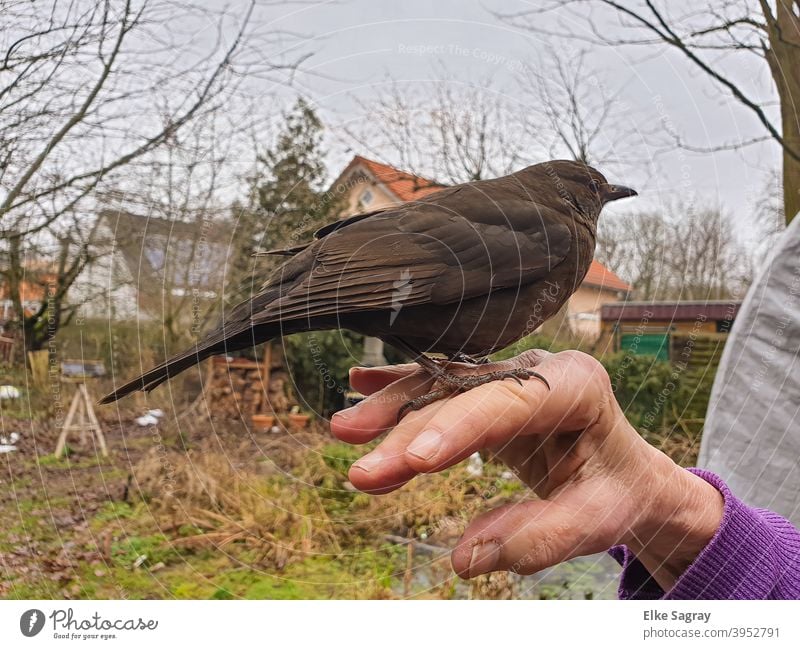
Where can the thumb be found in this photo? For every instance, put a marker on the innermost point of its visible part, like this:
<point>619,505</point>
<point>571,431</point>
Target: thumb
<point>530,536</point>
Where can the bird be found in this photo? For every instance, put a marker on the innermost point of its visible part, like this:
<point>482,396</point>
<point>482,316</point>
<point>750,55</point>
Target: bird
<point>463,272</point>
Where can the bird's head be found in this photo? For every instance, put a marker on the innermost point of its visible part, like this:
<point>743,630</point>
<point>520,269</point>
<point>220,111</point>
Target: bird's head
<point>583,188</point>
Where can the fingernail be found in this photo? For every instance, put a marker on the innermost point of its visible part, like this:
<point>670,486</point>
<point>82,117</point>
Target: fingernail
<point>426,445</point>
<point>369,462</point>
<point>484,558</point>
<point>347,413</point>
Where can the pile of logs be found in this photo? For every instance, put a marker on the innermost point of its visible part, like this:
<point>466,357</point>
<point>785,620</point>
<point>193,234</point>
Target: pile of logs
<point>240,387</point>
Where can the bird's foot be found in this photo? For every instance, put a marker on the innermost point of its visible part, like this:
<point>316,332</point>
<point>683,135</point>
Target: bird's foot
<point>455,383</point>
<point>420,402</point>
<point>464,382</point>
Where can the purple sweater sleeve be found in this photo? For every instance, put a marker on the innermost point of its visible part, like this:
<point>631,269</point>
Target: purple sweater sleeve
<point>755,554</point>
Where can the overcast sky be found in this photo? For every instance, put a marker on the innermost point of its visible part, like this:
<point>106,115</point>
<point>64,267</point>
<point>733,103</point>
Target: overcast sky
<point>358,45</point>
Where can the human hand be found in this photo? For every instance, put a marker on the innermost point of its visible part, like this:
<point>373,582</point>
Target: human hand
<point>599,483</point>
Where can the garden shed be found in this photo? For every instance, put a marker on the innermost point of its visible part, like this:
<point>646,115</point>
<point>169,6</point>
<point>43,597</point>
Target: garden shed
<point>662,328</point>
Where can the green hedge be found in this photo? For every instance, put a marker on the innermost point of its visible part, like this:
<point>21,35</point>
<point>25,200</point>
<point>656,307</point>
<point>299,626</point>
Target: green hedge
<point>644,386</point>
<point>655,395</point>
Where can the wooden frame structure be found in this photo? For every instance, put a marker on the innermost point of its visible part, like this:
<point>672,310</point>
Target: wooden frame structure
<point>81,417</point>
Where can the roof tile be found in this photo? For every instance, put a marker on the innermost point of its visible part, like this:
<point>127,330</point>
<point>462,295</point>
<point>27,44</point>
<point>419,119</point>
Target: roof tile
<point>404,185</point>
<point>601,277</point>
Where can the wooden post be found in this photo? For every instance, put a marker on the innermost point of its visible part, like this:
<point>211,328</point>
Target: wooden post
<point>81,415</point>
<point>62,438</point>
<point>408,576</point>
<point>39,361</point>
<point>95,425</point>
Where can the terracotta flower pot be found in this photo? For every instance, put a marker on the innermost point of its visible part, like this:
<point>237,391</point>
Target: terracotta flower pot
<point>263,422</point>
<point>298,420</point>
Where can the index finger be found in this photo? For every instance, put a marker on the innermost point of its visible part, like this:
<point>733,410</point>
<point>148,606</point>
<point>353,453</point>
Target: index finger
<point>378,412</point>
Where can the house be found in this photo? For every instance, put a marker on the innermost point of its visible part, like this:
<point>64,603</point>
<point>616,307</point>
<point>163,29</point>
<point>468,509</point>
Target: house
<point>649,327</point>
<point>368,185</point>
<point>153,267</point>
<point>600,287</point>
<point>33,289</point>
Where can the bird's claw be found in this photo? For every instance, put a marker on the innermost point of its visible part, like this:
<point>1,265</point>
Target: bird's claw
<point>455,383</point>
<point>420,402</point>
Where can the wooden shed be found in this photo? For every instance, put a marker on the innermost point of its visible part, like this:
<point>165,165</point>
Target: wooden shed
<point>652,327</point>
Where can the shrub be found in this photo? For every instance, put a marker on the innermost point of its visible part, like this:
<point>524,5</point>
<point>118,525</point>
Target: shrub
<point>644,387</point>
<point>319,363</point>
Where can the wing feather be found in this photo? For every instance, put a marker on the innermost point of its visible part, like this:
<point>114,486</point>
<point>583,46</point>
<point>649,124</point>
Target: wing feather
<point>423,253</point>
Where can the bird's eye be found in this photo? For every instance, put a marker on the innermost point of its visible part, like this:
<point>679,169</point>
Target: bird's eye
<point>594,186</point>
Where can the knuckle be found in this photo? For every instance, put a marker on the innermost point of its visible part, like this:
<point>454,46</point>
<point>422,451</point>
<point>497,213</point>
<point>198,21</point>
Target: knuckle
<point>470,418</point>
<point>531,357</point>
<point>507,402</point>
<point>593,374</point>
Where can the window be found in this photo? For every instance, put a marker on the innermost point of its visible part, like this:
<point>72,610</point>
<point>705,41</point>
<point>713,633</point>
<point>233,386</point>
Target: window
<point>366,198</point>
<point>154,247</point>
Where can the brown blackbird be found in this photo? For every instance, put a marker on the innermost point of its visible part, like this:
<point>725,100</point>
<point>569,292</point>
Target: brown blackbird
<point>465,271</point>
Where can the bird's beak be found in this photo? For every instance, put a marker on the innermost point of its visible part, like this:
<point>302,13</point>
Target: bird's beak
<point>615,192</point>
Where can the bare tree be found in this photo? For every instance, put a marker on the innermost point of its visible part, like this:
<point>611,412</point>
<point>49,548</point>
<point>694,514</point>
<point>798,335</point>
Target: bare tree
<point>88,89</point>
<point>768,215</point>
<point>707,34</point>
<point>182,192</point>
<point>571,111</point>
<point>634,245</point>
<point>452,131</point>
<point>559,109</point>
<point>680,253</point>
<point>705,258</point>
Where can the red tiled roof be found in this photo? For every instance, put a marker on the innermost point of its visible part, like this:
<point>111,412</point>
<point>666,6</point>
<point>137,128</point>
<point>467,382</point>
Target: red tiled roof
<point>602,277</point>
<point>405,186</point>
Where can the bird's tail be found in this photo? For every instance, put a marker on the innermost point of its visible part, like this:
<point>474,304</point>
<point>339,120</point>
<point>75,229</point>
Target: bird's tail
<point>217,343</point>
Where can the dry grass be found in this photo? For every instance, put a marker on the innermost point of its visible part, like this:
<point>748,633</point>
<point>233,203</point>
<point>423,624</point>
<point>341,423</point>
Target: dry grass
<point>290,499</point>
<point>226,502</point>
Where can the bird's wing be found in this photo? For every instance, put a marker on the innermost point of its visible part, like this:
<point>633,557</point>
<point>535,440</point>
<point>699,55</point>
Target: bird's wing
<point>324,231</point>
<point>282,252</point>
<point>423,254</point>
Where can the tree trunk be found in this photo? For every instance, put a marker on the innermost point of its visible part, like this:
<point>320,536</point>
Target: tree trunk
<point>783,57</point>
<point>790,124</point>
<point>791,183</point>
<point>41,327</point>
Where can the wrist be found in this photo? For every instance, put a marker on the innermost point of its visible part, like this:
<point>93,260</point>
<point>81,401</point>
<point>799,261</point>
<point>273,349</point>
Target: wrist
<point>680,513</point>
